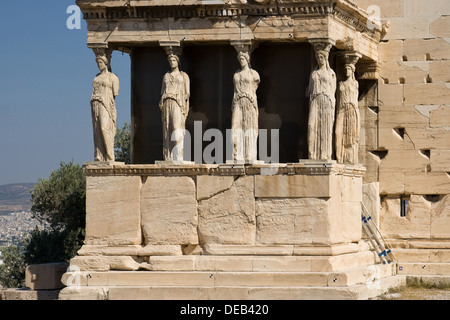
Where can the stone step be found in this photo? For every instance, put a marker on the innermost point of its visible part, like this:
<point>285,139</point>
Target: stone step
<point>129,292</point>
<point>429,281</point>
<point>424,268</point>
<point>353,276</point>
<point>423,255</point>
<point>228,263</point>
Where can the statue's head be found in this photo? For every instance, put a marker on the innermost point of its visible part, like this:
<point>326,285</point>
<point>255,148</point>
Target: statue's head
<point>174,60</point>
<point>102,62</point>
<point>322,57</point>
<point>350,70</point>
<point>244,58</point>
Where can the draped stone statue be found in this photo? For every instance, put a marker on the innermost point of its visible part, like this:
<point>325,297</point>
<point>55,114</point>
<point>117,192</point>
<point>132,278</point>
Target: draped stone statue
<point>103,107</point>
<point>322,90</point>
<point>244,121</point>
<point>174,105</point>
<point>348,119</point>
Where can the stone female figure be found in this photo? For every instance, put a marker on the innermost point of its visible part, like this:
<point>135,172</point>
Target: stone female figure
<point>244,121</point>
<point>322,90</point>
<point>103,107</point>
<point>174,105</point>
<point>348,119</point>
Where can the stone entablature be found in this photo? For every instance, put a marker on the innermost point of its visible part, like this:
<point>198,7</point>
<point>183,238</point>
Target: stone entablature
<point>123,24</point>
<point>303,167</point>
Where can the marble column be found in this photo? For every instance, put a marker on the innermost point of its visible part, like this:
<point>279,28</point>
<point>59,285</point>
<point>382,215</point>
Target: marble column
<point>103,107</point>
<point>348,119</point>
<point>321,91</point>
<point>245,114</point>
<point>174,103</point>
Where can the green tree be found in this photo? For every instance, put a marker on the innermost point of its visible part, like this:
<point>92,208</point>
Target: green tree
<point>122,144</point>
<point>12,271</point>
<point>43,246</point>
<point>59,201</point>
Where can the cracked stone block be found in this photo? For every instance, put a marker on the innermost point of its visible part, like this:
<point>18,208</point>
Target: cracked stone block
<point>228,217</point>
<point>208,186</point>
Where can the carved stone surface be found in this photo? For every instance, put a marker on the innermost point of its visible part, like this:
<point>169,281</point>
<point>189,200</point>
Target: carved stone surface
<point>104,114</point>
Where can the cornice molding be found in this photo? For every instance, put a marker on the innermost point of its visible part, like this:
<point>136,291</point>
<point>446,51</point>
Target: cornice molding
<point>306,167</point>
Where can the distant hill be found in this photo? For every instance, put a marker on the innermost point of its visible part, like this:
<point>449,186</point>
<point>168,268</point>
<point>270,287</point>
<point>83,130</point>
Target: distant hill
<point>15,197</point>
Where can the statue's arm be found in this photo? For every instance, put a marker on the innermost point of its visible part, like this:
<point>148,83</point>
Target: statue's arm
<point>115,85</point>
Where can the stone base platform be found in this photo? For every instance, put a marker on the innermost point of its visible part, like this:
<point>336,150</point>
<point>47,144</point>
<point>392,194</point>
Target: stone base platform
<point>347,272</point>
<point>422,257</point>
<point>253,231</point>
<point>353,284</point>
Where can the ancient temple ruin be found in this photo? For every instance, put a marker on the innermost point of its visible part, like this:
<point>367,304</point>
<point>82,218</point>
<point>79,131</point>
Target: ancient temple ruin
<point>264,229</point>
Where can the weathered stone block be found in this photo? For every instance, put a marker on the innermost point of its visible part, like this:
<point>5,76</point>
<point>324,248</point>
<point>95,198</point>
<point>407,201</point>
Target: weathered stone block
<point>440,71</point>
<point>427,183</point>
<point>408,28</point>
<point>292,221</point>
<point>440,160</point>
<point>404,161</point>
<point>427,138</point>
<point>440,219</point>
<point>390,95</point>
<point>103,263</point>
<point>45,276</point>
<point>284,186</point>
<point>229,217</point>
<point>388,9</point>
<point>371,200</point>
<point>208,186</point>
<point>426,49</point>
<point>391,50</point>
<point>416,8</point>
<point>371,163</point>
<point>440,117</point>
<point>441,27</point>
<point>344,219</point>
<point>392,183</point>
<point>389,139</point>
<point>169,211</point>
<point>416,223</point>
<point>401,117</point>
<point>350,188</point>
<point>369,131</point>
<point>113,210</point>
<point>404,72</point>
<point>427,93</point>
<point>248,250</point>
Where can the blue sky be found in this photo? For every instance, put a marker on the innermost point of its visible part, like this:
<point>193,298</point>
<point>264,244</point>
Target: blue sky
<point>46,73</point>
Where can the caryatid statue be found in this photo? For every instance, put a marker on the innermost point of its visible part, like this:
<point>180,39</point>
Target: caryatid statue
<point>322,90</point>
<point>244,121</point>
<point>174,105</point>
<point>103,106</point>
<point>348,124</point>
